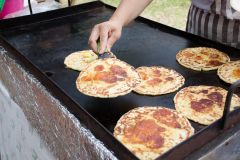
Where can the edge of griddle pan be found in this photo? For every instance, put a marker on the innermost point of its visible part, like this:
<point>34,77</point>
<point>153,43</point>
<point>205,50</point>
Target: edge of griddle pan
<point>97,128</point>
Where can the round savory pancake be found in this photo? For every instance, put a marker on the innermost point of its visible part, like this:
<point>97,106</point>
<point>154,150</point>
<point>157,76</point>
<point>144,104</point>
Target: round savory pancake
<point>158,80</point>
<point>79,60</point>
<point>201,58</point>
<point>230,72</point>
<point>148,131</point>
<point>107,78</point>
<point>203,104</point>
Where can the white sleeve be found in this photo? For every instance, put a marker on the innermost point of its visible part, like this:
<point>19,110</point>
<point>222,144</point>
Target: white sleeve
<point>203,4</point>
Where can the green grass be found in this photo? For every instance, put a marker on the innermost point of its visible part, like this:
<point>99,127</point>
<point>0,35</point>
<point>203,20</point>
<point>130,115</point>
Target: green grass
<point>170,12</point>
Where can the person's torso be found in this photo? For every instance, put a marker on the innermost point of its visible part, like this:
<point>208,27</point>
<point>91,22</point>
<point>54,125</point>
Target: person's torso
<point>221,7</point>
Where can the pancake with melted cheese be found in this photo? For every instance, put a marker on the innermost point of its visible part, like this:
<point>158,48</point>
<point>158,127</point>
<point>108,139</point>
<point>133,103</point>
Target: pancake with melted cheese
<point>202,58</point>
<point>203,104</point>
<point>230,72</point>
<point>107,78</point>
<point>79,60</point>
<point>158,80</point>
<point>148,132</point>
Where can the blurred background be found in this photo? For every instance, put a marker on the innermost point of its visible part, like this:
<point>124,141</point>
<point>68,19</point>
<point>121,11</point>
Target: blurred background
<point>170,12</point>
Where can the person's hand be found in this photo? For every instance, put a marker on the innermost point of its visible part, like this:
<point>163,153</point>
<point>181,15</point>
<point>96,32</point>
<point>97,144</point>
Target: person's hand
<point>108,32</point>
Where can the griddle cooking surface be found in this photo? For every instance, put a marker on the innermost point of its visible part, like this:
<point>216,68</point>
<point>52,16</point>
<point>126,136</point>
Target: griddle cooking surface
<point>46,44</point>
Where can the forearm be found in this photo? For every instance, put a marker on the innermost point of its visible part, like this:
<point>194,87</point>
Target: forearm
<point>128,10</point>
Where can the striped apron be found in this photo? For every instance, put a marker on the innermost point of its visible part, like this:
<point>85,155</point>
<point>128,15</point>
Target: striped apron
<point>221,23</point>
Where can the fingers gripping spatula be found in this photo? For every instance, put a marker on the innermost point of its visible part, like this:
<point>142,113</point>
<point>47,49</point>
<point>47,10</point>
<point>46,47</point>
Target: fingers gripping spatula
<point>105,54</point>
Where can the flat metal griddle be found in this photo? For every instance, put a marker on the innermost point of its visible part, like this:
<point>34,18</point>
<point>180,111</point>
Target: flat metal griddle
<point>45,39</point>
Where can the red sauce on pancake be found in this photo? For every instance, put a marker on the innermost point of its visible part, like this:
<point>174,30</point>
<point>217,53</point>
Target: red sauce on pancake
<point>215,96</point>
<point>199,58</point>
<point>154,81</point>
<point>100,75</point>
<point>143,75</point>
<point>107,77</point>
<point>169,78</point>
<point>86,78</point>
<point>236,73</point>
<point>145,132</point>
<point>188,54</point>
<point>205,91</point>
<point>214,56</point>
<point>166,117</point>
<point>115,69</point>
<point>99,68</point>
<point>215,63</point>
<point>156,72</point>
<point>201,105</point>
<point>204,53</point>
<point>206,102</point>
<point>162,112</point>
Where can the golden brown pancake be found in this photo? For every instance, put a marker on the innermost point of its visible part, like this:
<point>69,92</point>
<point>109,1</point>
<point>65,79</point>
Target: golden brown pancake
<point>107,78</point>
<point>202,58</point>
<point>148,132</point>
<point>158,80</point>
<point>203,104</point>
<point>230,72</point>
<point>80,59</point>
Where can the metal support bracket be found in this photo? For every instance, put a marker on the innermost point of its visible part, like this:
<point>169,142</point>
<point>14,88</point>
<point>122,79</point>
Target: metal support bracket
<point>69,3</point>
<point>30,7</point>
<point>230,93</point>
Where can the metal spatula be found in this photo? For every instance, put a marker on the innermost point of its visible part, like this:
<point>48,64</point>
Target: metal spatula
<point>105,54</point>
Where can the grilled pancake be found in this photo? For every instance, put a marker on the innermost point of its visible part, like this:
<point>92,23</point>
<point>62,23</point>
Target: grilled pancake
<point>148,132</point>
<point>202,58</point>
<point>107,78</point>
<point>230,72</point>
<point>157,80</point>
<point>79,60</point>
<point>203,104</point>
